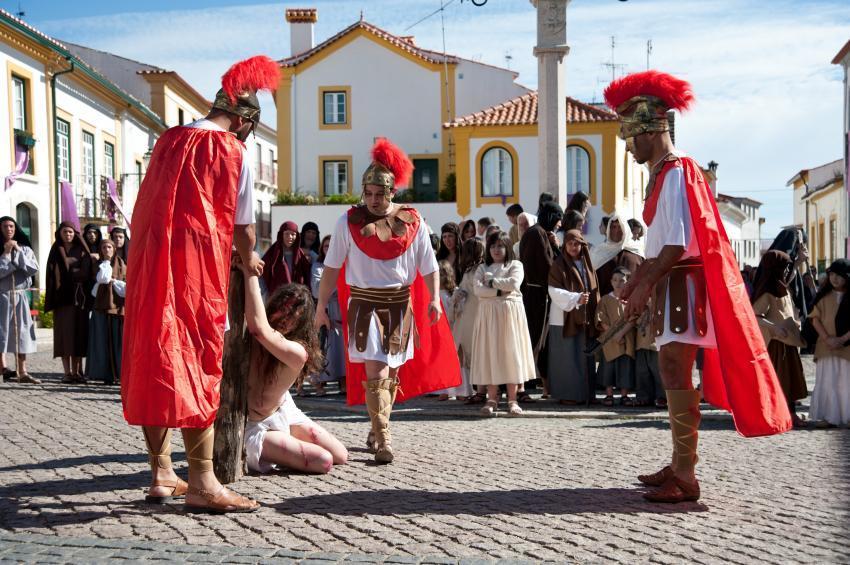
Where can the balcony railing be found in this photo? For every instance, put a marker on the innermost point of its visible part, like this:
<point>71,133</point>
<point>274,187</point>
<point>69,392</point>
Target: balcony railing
<point>94,203</point>
<point>267,174</point>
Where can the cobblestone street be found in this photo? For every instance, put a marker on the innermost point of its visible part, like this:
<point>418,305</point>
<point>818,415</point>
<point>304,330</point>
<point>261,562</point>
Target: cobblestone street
<point>72,475</point>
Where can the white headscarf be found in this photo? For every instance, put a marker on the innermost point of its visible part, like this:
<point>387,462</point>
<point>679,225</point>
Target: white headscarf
<point>607,250</point>
<point>635,246</point>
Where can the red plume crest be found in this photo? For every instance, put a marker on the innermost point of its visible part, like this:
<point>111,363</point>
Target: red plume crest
<point>676,93</point>
<point>394,159</point>
<point>256,73</point>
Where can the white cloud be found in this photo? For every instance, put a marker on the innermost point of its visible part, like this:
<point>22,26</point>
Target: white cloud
<point>769,101</point>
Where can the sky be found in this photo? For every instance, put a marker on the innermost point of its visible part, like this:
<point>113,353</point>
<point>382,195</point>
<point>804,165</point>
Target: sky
<point>769,103</point>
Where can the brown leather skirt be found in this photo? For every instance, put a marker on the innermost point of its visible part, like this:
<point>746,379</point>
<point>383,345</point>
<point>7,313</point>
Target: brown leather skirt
<point>393,314</point>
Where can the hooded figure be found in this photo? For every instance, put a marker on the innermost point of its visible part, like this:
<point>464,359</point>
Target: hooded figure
<point>792,241</point>
<point>610,254</point>
<point>537,249</point>
<point>122,243</point>
<point>286,265</point>
<point>17,332</point>
<point>574,293</point>
<point>68,296</point>
<point>92,236</point>
<point>311,250</point>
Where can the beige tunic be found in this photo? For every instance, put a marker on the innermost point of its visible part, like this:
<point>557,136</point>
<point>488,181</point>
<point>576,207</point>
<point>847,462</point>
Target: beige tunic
<point>609,311</point>
<point>501,345</point>
<point>465,317</point>
<point>772,311</point>
<point>825,311</point>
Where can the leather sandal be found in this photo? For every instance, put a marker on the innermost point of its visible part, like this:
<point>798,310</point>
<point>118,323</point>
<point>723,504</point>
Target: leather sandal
<point>674,490</point>
<point>178,488</point>
<point>28,379</point>
<point>222,502</point>
<point>657,479</point>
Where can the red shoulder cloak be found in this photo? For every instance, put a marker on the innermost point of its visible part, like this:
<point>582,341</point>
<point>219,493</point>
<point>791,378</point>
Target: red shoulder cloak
<point>435,365</point>
<point>177,280</point>
<point>737,376</point>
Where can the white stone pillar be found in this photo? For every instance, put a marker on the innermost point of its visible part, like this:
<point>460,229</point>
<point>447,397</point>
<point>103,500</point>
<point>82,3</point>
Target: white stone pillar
<point>550,51</point>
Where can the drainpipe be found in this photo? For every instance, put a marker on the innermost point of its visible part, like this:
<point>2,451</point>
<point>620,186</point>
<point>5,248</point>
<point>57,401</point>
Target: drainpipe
<point>56,137</point>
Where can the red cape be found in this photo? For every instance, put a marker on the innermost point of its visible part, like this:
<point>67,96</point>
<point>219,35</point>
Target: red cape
<point>177,281</point>
<point>435,364</point>
<point>737,376</point>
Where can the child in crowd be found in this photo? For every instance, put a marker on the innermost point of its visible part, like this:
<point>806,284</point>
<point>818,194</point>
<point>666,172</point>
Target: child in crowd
<point>277,432</point>
<point>447,289</point>
<point>649,388</point>
<point>501,344</point>
<point>619,370</point>
<point>106,325</point>
<point>468,230</point>
<point>465,311</point>
<point>483,224</point>
<point>831,319</point>
<point>780,326</point>
<point>334,346</point>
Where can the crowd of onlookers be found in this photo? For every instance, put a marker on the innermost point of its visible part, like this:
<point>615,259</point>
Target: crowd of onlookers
<point>527,304</point>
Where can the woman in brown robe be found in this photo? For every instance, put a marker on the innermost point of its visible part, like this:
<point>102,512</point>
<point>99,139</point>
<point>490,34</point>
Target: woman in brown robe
<point>106,327</point>
<point>780,324</point>
<point>69,274</point>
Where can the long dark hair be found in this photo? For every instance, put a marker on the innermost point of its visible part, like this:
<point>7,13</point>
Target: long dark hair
<point>321,258</point>
<point>443,252</point>
<point>577,202</point>
<point>471,254</point>
<point>505,240</point>
<point>840,267</point>
<point>290,311</point>
<point>316,243</point>
<point>466,225</point>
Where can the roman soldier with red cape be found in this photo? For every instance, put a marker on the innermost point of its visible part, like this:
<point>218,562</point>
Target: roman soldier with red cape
<point>194,204</point>
<point>700,300</point>
<point>398,343</point>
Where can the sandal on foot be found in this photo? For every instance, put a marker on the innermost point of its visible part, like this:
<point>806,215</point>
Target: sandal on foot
<point>608,400</point>
<point>514,409</point>
<point>489,407</point>
<point>9,375</point>
<point>80,379</point>
<point>476,398</point>
<point>661,403</point>
<point>222,502</point>
<point>673,491</point>
<point>68,379</point>
<point>178,489</point>
<point>524,397</point>
<point>627,402</point>
<point>28,379</point>
<point>443,397</point>
<point>658,478</point>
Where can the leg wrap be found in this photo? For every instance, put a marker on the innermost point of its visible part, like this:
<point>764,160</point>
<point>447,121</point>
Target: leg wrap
<point>199,448</point>
<point>684,424</point>
<point>380,396</point>
<point>158,441</point>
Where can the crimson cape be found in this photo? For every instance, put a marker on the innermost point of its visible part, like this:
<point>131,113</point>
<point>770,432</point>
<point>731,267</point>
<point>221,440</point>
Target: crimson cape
<point>177,280</point>
<point>737,376</point>
<point>435,364</point>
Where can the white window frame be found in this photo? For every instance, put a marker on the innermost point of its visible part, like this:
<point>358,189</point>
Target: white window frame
<point>63,142</point>
<point>334,107</point>
<point>336,173</point>
<point>88,164</point>
<point>109,160</point>
<point>497,174</point>
<point>19,103</point>
<point>578,173</point>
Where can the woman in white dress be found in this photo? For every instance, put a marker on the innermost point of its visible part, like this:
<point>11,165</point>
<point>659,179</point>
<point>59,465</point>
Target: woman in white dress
<point>501,345</point>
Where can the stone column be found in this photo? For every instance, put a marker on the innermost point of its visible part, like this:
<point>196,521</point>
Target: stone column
<point>551,96</point>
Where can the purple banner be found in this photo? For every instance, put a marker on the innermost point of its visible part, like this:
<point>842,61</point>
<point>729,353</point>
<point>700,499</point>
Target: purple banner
<point>112,190</point>
<point>69,204</point>
<point>22,161</point>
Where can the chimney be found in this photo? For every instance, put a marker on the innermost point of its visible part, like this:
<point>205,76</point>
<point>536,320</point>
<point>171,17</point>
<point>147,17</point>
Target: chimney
<point>301,22</point>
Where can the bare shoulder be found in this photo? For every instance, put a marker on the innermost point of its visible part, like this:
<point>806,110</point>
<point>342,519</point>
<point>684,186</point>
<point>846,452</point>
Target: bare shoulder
<point>291,353</point>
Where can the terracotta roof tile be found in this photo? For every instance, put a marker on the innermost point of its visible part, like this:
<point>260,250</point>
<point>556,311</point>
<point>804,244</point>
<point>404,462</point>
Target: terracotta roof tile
<point>425,54</point>
<point>522,110</point>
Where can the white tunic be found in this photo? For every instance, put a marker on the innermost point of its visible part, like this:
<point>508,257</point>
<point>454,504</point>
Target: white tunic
<point>364,272</point>
<point>672,226</point>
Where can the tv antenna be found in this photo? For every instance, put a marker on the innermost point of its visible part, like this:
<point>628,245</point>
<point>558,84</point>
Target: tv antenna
<point>508,59</point>
<point>648,52</point>
<point>20,13</point>
<point>614,67</point>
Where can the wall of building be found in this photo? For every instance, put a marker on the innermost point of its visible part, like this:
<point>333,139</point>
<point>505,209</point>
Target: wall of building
<point>825,207</point>
<point>402,102</point>
<point>479,86</point>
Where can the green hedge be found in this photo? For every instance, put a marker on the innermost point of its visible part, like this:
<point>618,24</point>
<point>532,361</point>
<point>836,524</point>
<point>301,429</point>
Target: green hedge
<point>45,319</point>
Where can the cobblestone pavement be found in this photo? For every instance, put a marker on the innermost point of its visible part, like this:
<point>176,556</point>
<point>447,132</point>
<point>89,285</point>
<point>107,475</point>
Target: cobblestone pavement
<point>72,475</point>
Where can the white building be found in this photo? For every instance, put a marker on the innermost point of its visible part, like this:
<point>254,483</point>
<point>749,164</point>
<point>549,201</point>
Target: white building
<point>97,131</point>
<point>336,97</point>
<point>176,102</point>
<point>820,207</point>
<point>740,217</point>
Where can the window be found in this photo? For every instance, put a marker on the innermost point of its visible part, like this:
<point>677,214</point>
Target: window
<point>108,160</point>
<point>335,107</point>
<point>335,177</point>
<point>578,170</point>
<point>19,103</point>
<point>272,167</point>
<point>260,175</point>
<point>63,148</point>
<point>833,240</point>
<point>88,164</point>
<point>180,117</point>
<point>497,177</point>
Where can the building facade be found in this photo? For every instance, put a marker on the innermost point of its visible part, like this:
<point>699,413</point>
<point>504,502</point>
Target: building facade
<point>820,207</point>
<point>740,217</point>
